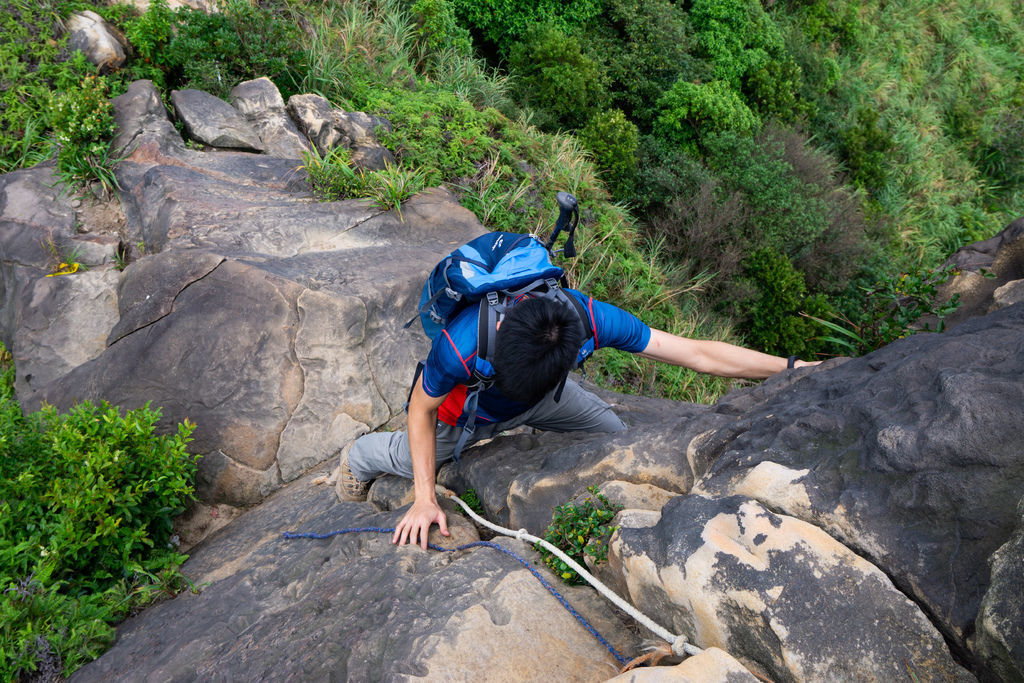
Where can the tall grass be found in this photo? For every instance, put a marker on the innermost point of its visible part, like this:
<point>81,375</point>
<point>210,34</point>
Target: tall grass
<point>941,76</point>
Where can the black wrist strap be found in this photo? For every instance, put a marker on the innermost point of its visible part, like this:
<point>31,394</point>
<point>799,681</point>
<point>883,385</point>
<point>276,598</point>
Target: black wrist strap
<point>791,362</point>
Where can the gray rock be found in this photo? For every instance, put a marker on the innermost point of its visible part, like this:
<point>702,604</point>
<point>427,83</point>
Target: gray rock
<point>102,44</point>
<point>64,322</point>
<point>260,103</point>
<point>272,608</point>
<point>315,118</point>
<point>1007,295</point>
<point>521,478</point>
<point>328,128</point>
<point>999,638</point>
<point>778,594</point>
<point>212,121</point>
<point>140,115</point>
<point>1002,260</point>
<point>910,456</point>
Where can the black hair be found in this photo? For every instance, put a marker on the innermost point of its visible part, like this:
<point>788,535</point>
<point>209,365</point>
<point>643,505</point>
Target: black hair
<point>535,348</point>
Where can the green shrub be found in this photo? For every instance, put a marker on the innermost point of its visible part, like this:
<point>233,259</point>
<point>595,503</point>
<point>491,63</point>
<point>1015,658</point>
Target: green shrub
<point>554,77</point>
<point>215,51</point>
<point>34,66</point>
<point>895,307</point>
<point>867,147</point>
<point>437,29</point>
<point>646,45</point>
<point>83,123</point>
<point>692,111</point>
<point>579,530</point>
<point>502,23</point>
<point>86,506</point>
<point>776,319</point>
<point>612,139</point>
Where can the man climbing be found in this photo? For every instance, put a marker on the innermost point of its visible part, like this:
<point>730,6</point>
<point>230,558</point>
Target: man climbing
<point>538,341</point>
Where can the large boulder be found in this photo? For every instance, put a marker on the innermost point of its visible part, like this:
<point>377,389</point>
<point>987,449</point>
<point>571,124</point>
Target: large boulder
<point>910,456</point>
<point>990,274</point>
<point>212,121</point>
<point>779,594</point>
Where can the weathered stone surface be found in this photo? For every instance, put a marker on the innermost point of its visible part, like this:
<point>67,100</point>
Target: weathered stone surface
<point>260,102</point>
<point>710,666</point>
<point>1007,295</point>
<point>328,128</point>
<point>212,121</point>
<point>355,607</point>
<point>909,455</point>
<point>64,322</point>
<point>521,478</point>
<point>314,117</point>
<point>999,639</point>
<point>101,43</point>
<point>1002,259</point>
<point>777,593</point>
<point>140,115</point>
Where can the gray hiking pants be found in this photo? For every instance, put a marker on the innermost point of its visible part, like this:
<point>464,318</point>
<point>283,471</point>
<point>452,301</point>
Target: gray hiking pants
<point>577,410</point>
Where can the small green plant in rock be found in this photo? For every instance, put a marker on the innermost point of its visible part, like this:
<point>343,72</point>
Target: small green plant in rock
<point>580,530</point>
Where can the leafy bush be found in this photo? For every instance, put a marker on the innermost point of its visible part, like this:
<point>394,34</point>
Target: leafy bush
<point>86,507</point>
<point>34,66</point>
<point>646,45</point>
<point>83,123</point>
<point>555,77</point>
<point>579,530</point>
<point>692,111</point>
<point>896,307</point>
<point>867,147</point>
<point>613,140</point>
<point>215,51</point>
<point>776,316</point>
<point>502,23</point>
<point>437,29</point>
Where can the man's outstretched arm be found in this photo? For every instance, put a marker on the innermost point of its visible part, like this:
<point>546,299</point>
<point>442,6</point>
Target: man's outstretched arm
<point>714,357</point>
<point>422,431</point>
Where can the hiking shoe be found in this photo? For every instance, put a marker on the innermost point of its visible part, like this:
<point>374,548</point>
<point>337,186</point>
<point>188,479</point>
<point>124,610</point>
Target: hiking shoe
<point>348,487</point>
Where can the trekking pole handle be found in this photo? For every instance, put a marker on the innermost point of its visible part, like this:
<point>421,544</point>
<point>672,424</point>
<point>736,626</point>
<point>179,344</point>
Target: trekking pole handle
<point>567,208</point>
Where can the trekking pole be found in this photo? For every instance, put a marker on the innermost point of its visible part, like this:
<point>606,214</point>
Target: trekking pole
<point>568,215</point>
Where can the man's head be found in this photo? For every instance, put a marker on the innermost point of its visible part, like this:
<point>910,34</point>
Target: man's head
<point>535,348</point>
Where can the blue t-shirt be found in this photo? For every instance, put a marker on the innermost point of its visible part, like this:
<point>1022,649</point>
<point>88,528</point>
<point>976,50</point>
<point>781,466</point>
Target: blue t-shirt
<point>453,357</point>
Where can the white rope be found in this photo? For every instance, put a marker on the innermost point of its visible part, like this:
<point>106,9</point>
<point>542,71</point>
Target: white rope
<point>679,645</point>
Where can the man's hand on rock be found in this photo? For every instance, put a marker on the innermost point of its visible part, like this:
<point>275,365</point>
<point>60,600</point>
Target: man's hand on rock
<point>415,525</point>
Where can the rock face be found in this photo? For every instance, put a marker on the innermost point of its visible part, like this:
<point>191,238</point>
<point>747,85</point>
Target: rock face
<point>272,321</point>
<point>354,607</point>
<point>861,519</point>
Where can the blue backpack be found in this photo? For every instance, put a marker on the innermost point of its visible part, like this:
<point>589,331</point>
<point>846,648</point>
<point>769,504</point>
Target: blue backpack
<point>493,272</point>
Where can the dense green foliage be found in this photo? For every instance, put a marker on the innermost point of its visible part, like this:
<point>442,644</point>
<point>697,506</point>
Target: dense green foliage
<point>695,117</point>
<point>86,506</point>
<point>579,531</point>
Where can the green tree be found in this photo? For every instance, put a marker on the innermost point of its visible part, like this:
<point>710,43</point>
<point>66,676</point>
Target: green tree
<point>692,111</point>
<point>555,78</point>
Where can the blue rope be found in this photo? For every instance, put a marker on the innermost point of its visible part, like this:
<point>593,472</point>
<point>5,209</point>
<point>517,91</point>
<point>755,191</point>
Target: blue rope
<point>544,582</point>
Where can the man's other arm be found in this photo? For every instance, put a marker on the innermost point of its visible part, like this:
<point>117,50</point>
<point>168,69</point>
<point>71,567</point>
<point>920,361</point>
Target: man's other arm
<point>422,432</point>
<point>714,357</point>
